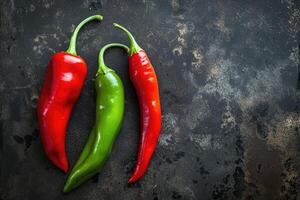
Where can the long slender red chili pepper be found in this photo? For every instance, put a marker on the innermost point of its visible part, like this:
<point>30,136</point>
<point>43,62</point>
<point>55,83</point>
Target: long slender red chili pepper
<point>65,76</point>
<point>144,79</point>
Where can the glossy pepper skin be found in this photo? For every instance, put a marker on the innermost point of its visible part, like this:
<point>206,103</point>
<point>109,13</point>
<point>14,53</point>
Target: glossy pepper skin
<point>144,79</point>
<point>109,116</point>
<point>65,76</point>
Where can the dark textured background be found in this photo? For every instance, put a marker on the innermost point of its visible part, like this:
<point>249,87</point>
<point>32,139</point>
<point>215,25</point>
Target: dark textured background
<point>228,82</point>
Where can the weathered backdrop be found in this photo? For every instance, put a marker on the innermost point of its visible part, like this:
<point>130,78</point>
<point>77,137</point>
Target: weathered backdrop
<point>228,82</point>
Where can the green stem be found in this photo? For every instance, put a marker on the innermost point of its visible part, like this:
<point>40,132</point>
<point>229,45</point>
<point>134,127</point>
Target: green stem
<point>72,45</point>
<point>102,67</point>
<point>134,47</point>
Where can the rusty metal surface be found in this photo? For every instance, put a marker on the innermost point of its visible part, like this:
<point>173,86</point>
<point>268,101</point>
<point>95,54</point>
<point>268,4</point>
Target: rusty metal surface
<point>229,85</point>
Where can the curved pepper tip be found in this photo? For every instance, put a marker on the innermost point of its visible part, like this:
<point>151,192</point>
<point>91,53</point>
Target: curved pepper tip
<point>68,185</point>
<point>66,189</point>
<point>65,168</point>
<point>61,163</point>
<point>135,177</point>
<point>73,181</point>
<point>132,180</point>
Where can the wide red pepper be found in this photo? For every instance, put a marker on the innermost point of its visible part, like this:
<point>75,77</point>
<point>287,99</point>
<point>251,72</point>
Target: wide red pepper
<point>65,76</point>
<point>144,79</point>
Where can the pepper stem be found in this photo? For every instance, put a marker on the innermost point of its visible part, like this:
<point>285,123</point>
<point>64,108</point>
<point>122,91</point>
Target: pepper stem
<point>102,67</point>
<point>72,45</point>
<point>134,47</point>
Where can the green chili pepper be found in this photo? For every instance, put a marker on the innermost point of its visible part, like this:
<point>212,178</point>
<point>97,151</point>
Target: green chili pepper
<point>109,115</point>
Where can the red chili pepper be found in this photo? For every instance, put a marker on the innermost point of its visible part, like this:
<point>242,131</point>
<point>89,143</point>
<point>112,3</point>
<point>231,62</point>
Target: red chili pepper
<point>62,86</point>
<point>144,79</point>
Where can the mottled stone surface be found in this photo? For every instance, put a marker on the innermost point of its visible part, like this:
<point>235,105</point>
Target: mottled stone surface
<point>229,84</point>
